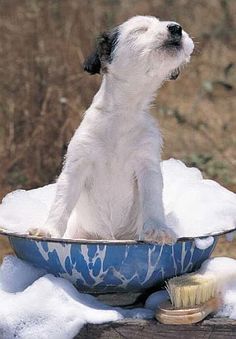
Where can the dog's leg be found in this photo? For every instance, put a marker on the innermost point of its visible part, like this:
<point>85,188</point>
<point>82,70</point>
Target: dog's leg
<point>150,189</point>
<point>69,185</point>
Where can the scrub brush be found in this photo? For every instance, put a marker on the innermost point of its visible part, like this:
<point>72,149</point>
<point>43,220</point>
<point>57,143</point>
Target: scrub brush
<point>192,297</point>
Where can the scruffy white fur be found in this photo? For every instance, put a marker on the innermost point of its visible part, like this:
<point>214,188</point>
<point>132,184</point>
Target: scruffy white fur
<point>111,183</point>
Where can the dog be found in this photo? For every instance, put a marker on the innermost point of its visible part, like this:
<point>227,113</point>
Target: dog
<point>111,183</point>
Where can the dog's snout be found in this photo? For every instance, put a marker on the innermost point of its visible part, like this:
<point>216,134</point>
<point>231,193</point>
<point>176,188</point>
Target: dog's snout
<point>175,30</point>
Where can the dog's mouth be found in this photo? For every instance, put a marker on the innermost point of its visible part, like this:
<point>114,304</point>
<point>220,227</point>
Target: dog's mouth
<point>174,74</point>
<point>173,44</point>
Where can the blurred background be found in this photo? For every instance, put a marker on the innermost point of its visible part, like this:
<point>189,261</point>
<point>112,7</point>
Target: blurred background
<point>44,91</point>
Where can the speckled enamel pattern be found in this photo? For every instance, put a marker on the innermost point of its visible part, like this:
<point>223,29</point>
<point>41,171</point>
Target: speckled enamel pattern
<point>113,267</point>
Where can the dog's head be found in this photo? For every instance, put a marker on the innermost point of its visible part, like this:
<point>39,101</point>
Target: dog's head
<point>143,46</point>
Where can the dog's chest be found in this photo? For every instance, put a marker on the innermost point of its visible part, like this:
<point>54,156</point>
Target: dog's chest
<point>120,142</point>
<point>114,167</point>
<point>111,194</point>
<point>118,145</point>
<point>116,161</point>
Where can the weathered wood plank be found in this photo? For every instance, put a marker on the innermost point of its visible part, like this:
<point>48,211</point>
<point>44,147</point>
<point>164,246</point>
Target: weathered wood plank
<point>216,328</point>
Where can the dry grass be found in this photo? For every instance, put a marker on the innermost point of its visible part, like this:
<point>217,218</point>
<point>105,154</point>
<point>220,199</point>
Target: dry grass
<point>44,92</point>
<point>225,248</point>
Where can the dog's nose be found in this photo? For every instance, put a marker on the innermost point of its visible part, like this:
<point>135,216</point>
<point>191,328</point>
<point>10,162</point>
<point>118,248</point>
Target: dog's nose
<point>175,30</point>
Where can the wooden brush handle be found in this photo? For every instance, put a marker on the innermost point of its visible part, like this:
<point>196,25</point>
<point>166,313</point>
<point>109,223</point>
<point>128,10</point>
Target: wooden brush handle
<point>166,314</point>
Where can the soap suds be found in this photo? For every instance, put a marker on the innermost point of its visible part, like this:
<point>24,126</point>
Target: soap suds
<point>21,210</point>
<point>202,244</point>
<point>194,207</point>
<point>224,269</point>
<point>35,305</point>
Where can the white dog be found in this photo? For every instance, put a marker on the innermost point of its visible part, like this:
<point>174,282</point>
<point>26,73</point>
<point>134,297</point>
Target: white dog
<point>111,183</point>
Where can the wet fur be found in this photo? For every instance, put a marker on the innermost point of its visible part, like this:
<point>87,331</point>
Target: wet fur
<point>111,183</point>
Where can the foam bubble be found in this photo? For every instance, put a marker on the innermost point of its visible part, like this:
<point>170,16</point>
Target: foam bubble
<point>194,207</point>
<point>224,269</point>
<point>16,275</point>
<point>34,305</point>
<point>204,243</point>
<point>21,210</point>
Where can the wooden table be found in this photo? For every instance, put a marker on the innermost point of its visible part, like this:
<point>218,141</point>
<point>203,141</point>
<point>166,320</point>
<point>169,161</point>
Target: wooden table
<point>211,328</point>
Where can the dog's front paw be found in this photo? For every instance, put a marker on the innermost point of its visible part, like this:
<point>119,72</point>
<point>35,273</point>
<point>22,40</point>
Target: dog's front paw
<point>162,235</point>
<point>166,235</point>
<point>43,233</point>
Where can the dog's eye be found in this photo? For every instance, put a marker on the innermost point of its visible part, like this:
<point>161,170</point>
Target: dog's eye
<point>139,30</point>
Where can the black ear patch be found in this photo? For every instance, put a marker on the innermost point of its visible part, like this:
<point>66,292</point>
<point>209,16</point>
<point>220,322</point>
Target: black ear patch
<point>92,64</point>
<point>106,43</point>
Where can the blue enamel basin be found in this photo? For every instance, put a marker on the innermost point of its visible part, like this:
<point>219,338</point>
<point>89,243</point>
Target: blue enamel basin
<point>110,266</point>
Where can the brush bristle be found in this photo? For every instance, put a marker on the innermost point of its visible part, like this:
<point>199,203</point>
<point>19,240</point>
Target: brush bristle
<point>191,289</point>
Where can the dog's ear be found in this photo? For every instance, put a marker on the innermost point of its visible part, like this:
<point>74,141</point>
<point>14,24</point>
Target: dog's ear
<point>92,64</point>
<point>106,43</point>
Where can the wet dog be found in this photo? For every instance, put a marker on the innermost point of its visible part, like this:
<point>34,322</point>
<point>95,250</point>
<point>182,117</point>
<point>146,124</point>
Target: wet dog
<point>111,183</point>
